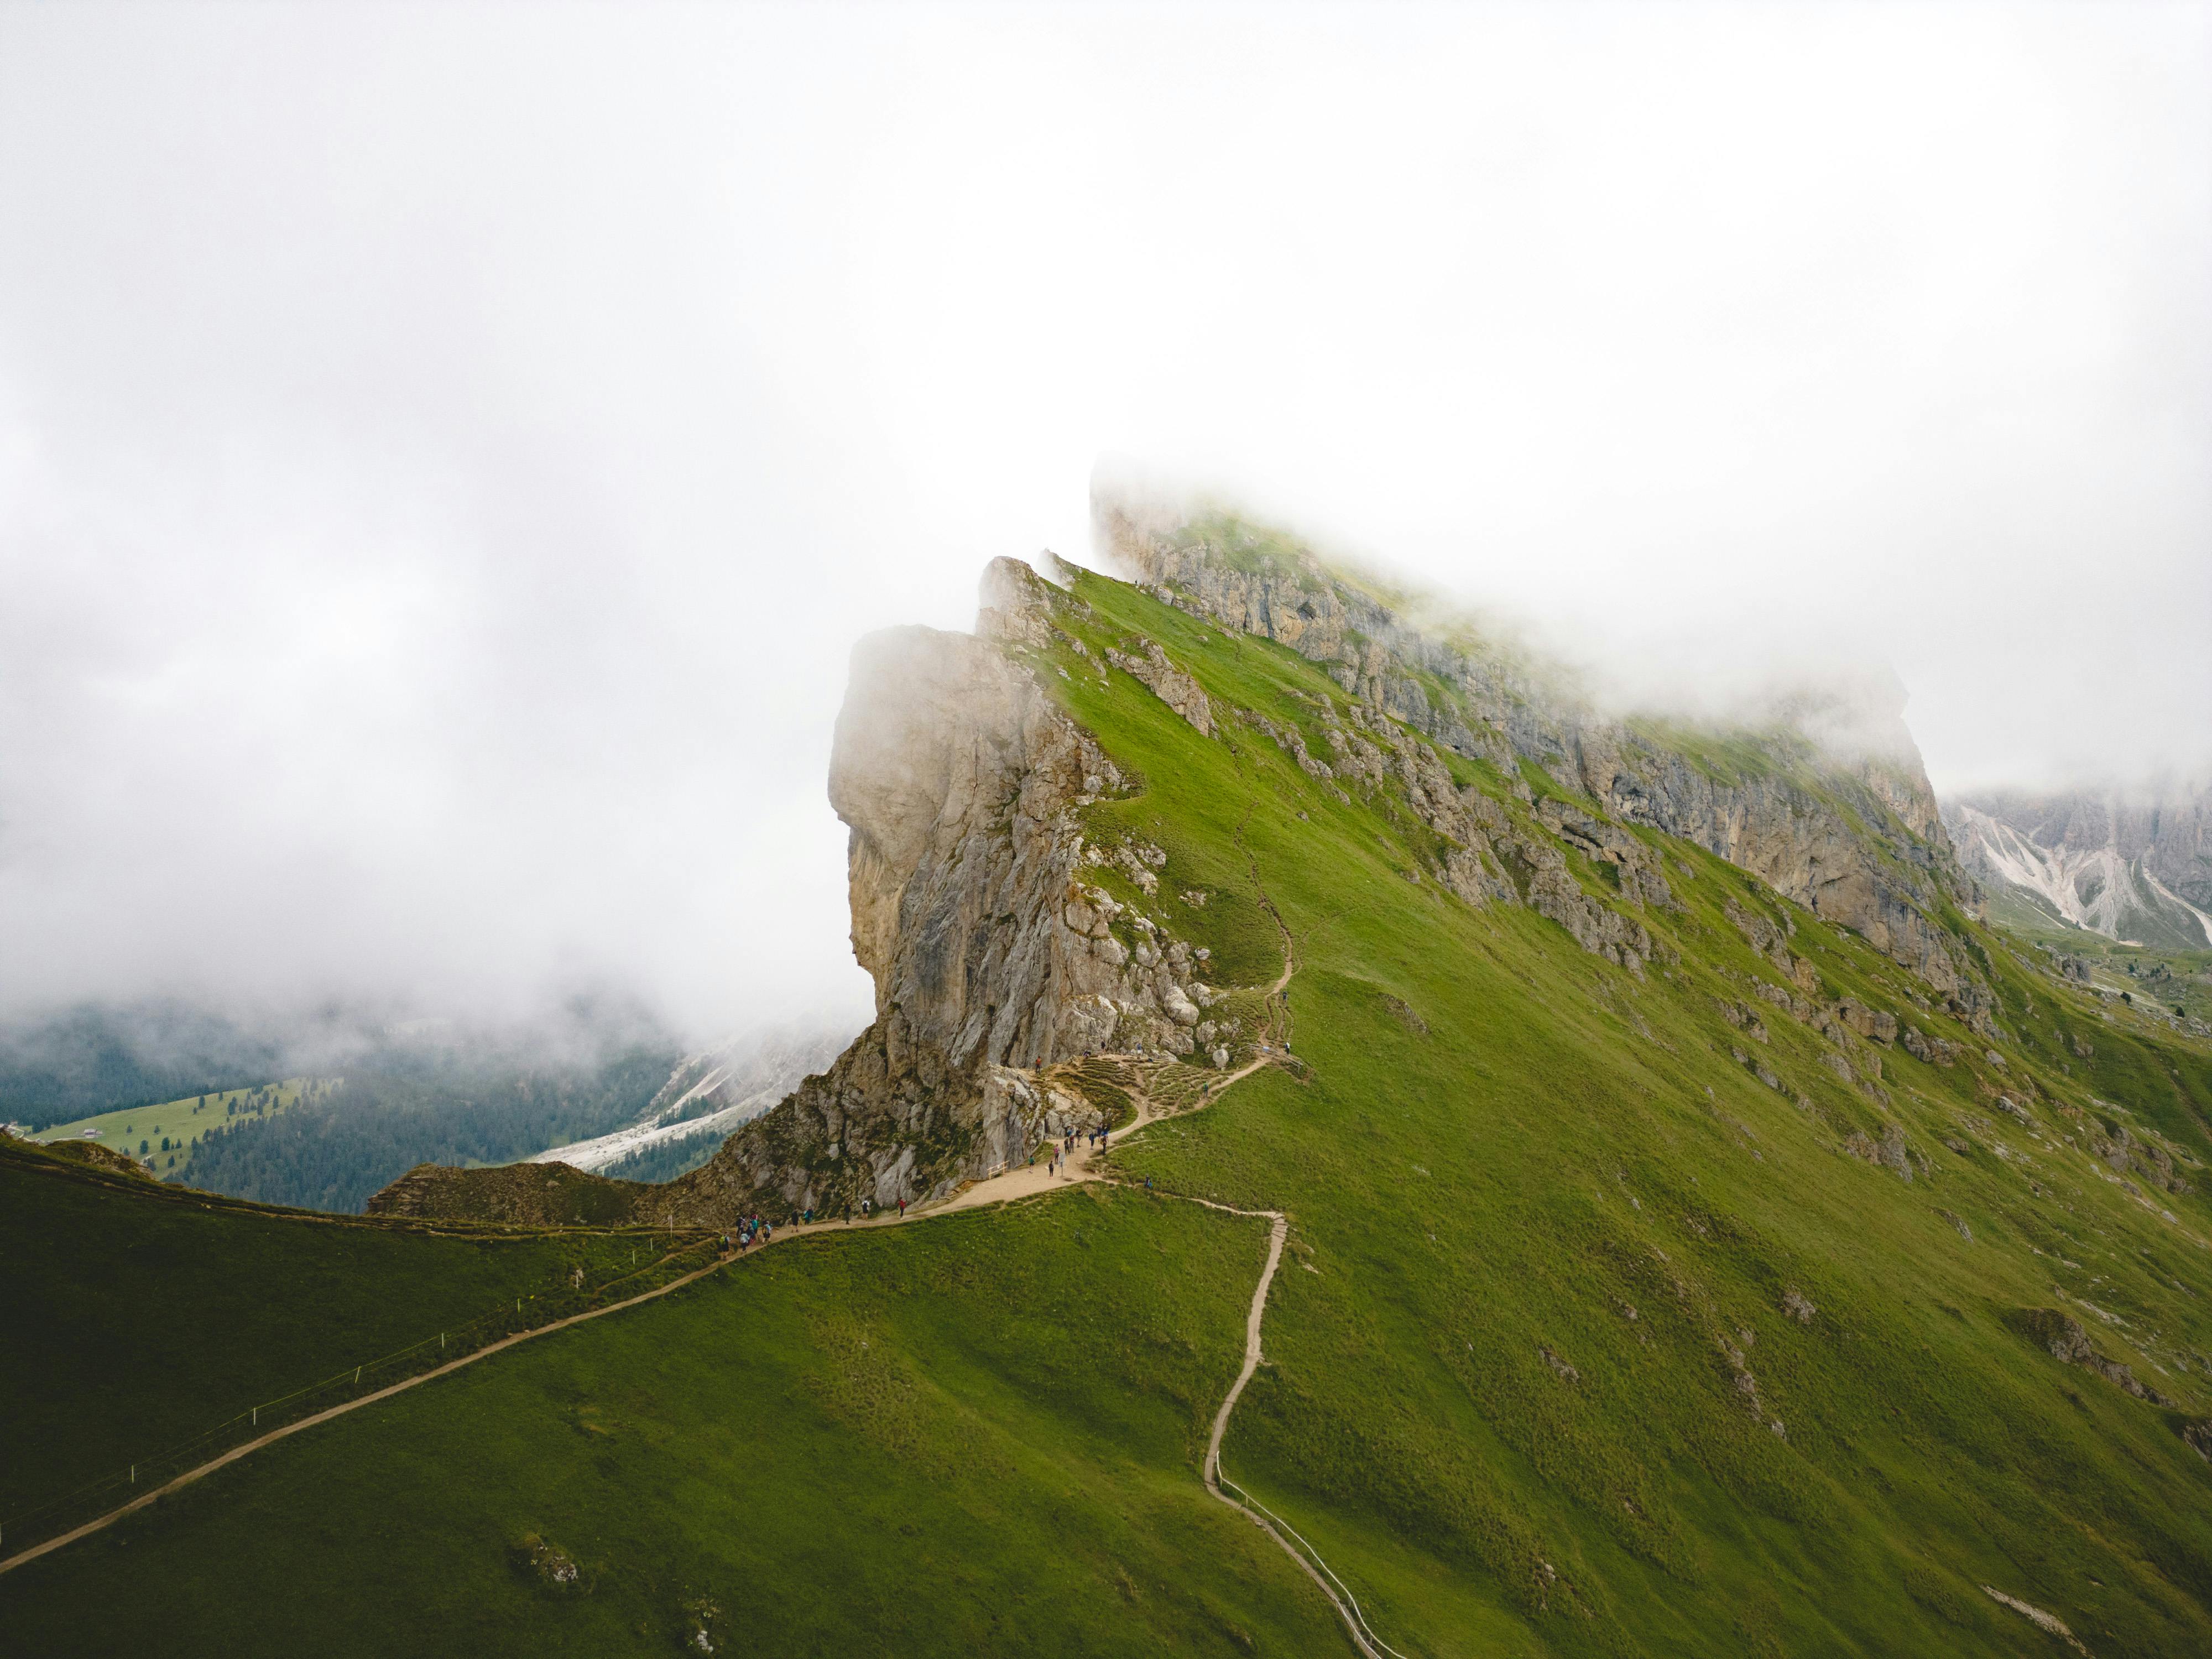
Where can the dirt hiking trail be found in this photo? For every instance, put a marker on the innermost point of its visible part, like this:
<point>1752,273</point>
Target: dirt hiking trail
<point>1133,1073</point>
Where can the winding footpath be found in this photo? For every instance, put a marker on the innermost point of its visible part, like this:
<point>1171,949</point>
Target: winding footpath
<point>274,1435</point>
<point>1029,1180</point>
<point>1308,1558</point>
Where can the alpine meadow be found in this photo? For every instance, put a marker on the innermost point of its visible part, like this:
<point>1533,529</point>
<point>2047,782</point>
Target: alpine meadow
<point>1359,1151</point>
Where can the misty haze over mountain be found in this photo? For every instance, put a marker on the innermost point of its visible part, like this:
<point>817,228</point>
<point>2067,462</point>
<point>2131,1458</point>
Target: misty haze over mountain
<point>443,471</point>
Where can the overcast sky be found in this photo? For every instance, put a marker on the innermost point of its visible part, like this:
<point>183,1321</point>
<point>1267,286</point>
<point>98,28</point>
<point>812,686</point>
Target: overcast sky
<point>446,455</point>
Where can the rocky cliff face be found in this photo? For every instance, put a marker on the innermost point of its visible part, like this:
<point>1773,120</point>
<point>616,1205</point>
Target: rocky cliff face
<point>997,953</point>
<point>1858,839</point>
<point>992,956</point>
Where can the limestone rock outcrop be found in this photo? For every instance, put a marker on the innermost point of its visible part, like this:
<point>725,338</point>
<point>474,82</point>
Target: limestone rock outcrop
<point>2127,1153</point>
<point>994,954</point>
<point>2136,867</point>
<point>1855,837</point>
<point>2062,1336</point>
<point>1168,682</point>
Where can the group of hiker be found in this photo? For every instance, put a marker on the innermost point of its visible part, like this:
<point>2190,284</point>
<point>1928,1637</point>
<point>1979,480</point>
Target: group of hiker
<point>751,1231</point>
<point>1096,1136</point>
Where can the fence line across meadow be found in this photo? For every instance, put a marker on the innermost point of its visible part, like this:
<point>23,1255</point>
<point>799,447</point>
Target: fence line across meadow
<point>527,1312</point>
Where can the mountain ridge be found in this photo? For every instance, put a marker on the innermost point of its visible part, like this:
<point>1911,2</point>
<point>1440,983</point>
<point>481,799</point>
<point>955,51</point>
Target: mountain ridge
<point>998,960</point>
<point>1666,1267</point>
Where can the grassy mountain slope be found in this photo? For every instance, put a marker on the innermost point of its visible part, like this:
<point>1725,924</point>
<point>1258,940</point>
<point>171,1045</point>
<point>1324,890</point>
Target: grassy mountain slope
<point>973,1437</point>
<point>1594,1337</point>
<point>162,1134</point>
<point>82,1060</point>
<point>1563,1142</point>
<point>137,1314</point>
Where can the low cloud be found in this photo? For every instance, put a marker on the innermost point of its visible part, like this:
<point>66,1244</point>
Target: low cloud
<point>445,457</point>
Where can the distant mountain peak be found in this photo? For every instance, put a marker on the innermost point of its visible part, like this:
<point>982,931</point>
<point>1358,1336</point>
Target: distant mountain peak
<point>2137,870</point>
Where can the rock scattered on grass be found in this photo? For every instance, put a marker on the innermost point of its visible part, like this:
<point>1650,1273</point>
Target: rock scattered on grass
<point>2063,1336</point>
<point>548,1563</point>
<point>1404,1013</point>
<point>2048,1622</point>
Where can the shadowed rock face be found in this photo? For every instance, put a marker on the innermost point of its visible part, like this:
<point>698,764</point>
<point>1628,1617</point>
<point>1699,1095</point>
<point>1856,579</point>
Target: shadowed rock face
<point>1885,877</point>
<point>961,784</point>
<point>958,779</point>
<point>952,770</point>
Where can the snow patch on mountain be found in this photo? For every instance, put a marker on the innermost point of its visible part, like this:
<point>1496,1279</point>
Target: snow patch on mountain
<point>712,1092</point>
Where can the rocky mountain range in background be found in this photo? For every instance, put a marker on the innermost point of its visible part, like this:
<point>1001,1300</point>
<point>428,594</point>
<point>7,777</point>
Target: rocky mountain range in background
<point>2136,868</point>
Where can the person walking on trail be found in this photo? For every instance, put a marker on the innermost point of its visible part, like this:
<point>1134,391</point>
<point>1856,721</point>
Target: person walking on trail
<point>902,1206</point>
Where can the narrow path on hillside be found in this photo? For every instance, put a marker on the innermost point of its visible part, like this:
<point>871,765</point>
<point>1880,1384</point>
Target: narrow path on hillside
<point>1308,1558</point>
<point>274,1435</point>
<point>1011,1186</point>
<point>1015,1184</point>
<point>1286,1537</point>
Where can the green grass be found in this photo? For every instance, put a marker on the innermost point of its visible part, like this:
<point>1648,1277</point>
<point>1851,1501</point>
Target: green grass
<point>976,1435</point>
<point>140,1132</point>
<point>137,1320</point>
<point>1465,1198</point>
<point>2184,985</point>
<point>1479,1196</point>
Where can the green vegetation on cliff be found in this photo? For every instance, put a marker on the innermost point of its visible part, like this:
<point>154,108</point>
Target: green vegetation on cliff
<point>1708,1307</point>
